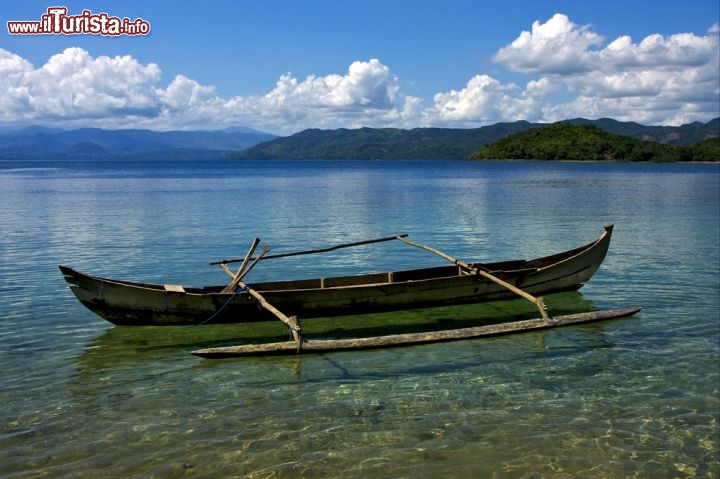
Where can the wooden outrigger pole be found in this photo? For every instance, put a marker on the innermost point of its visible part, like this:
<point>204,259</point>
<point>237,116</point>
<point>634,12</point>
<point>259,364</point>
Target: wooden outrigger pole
<point>537,301</point>
<point>409,339</point>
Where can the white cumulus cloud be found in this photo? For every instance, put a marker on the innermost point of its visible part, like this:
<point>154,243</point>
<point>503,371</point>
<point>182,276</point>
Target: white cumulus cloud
<point>75,89</point>
<point>483,100</point>
<point>367,95</point>
<point>74,85</point>
<point>557,46</point>
<point>671,79</point>
<point>366,85</point>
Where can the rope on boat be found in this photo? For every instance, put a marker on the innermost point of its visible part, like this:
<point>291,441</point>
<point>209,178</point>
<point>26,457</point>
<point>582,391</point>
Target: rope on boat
<point>232,296</point>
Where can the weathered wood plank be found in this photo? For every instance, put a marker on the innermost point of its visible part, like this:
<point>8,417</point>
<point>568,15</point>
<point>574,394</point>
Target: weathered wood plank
<point>174,288</point>
<point>326,345</point>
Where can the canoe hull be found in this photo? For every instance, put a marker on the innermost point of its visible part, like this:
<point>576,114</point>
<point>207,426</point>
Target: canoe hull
<point>130,303</point>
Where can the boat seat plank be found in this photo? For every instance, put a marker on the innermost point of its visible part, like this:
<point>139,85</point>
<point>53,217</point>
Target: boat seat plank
<point>174,288</point>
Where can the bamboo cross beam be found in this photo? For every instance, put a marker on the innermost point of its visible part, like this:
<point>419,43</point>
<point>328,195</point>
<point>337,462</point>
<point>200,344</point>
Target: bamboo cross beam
<point>241,274</point>
<point>250,252</point>
<point>313,251</point>
<point>227,270</point>
<point>291,321</point>
<point>537,301</point>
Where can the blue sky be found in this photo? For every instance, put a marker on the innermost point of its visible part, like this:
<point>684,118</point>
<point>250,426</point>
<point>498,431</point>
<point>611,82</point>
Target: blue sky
<point>282,66</point>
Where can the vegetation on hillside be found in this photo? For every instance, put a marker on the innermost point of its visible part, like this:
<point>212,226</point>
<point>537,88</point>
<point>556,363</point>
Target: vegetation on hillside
<point>708,150</point>
<point>609,140</point>
<point>563,141</point>
<point>382,143</point>
<point>687,134</point>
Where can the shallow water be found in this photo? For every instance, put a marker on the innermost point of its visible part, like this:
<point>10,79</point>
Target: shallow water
<point>636,397</point>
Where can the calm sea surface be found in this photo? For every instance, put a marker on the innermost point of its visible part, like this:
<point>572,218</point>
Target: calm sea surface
<point>636,397</point>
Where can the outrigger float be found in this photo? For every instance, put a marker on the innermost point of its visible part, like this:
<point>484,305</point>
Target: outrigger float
<point>130,303</point>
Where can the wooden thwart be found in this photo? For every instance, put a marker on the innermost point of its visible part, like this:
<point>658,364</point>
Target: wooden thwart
<point>396,340</point>
<point>174,288</point>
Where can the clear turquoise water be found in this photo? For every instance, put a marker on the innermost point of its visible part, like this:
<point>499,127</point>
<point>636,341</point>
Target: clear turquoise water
<point>637,397</point>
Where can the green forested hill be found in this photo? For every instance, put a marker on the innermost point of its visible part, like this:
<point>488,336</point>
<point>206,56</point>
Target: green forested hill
<point>708,150</point>
<point>687,134</point>
<point>583,142</point>
<point>455,144</point>
<point>383,143</point>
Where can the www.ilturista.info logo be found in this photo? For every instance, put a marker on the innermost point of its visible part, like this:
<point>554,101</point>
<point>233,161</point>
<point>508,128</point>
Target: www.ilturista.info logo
<point>57,22</point>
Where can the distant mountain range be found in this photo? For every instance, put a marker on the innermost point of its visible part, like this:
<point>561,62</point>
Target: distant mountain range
<point>36,142</point>
<point>448,143</point>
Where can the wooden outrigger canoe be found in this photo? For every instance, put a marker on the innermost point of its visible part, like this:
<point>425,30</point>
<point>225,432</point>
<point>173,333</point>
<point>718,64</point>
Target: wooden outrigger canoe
<point>131,303</point>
